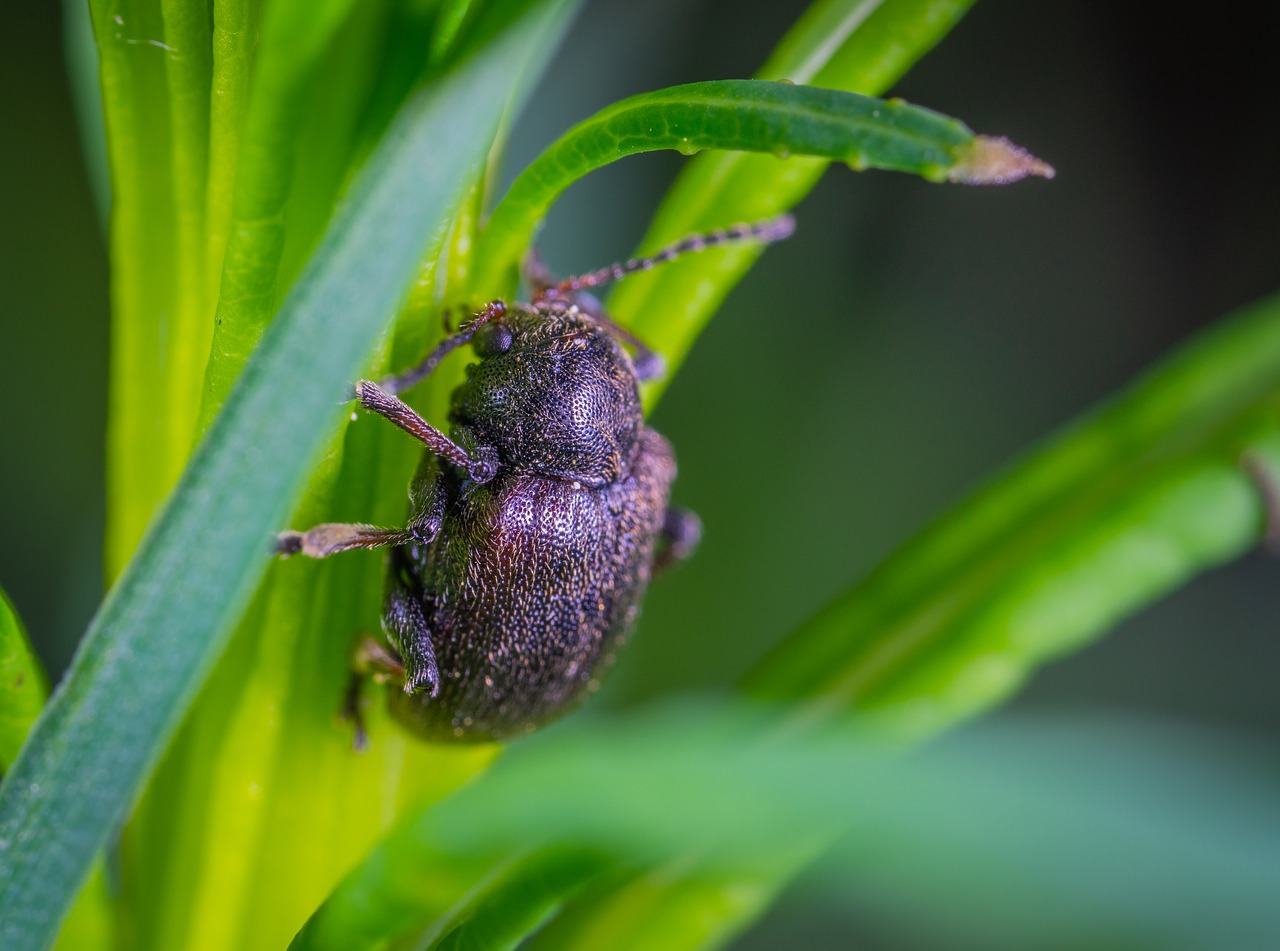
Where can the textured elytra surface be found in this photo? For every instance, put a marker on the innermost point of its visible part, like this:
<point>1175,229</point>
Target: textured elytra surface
<point>523,587</point>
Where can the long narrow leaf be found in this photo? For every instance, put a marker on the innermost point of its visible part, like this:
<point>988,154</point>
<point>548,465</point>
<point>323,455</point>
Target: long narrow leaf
<point>141,465</point>
<point>1126,505</point>
<point>860,46</point>
<point>747,116</point>
<point>23,687</point>
<point>293,40</point>
<point>164,624</point>
<point>1025,813</point>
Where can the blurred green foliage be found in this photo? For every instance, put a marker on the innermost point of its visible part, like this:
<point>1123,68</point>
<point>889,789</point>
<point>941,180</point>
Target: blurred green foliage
<point>904,344</point>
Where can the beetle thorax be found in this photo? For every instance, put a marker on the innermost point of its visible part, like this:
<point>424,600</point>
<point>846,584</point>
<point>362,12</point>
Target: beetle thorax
<point>561,400</point>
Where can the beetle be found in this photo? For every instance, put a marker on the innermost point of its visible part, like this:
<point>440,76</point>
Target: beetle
<point>535,525</point>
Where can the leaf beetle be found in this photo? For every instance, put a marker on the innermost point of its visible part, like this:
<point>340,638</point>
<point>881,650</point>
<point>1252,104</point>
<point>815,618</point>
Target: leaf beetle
<point>535,525</point>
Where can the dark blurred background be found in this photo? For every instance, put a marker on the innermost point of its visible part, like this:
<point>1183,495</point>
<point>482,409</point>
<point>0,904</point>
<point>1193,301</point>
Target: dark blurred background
<point>910,339</point>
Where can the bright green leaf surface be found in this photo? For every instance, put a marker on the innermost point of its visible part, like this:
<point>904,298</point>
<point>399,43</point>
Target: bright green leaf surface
<point>141,464</point>
<point>23,691</point>
<point>1021,814</point>
<point>294,38</point>
<point>860,46</point>
<point>508,907</point>
<point>1120,509</point>
<point>163,625</point>
<point>22,684</point>
<point>737,115</point>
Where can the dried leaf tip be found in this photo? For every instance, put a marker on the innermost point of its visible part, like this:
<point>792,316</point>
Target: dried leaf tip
<point>994,160</point>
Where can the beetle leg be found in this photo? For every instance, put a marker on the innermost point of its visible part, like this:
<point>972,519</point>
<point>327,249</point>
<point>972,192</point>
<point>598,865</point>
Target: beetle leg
<point>333,537</point>
<point>767,231</point>
<point>428,499</point>
<point>371,660</point>
<point>1268,483</point>
<point>535,273</point>
<point>681,531</point>
<point>405,624</point>
<point>376,400</point>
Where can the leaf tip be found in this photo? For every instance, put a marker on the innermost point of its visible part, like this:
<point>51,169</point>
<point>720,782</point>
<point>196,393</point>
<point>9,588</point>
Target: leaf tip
<point>994,160</point>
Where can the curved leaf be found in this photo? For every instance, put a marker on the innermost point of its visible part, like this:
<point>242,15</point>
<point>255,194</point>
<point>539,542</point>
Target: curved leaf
<point>160,629</point>
<point>749,116</point>
<point>860,46</point>
<point>23,687</point>
<point>1124,506</point>
<point>1021,814</point>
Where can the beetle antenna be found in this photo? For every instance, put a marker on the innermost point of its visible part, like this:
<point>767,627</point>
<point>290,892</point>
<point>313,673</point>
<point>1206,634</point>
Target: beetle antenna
<point>494,310</point>
<point>767,232</point>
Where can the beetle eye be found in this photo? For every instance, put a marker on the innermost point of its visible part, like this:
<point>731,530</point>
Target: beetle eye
<point>491,339</point>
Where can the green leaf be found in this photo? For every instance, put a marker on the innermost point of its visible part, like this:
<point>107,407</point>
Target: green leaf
<point>509,906</point>
<point>748,116</point>
<point>142,462</point>
<point>86,97</point>
<point>1157,486</point>
<point>23,687</point>
<point>1016,816</point>
<point>854,45</point>
<point>249,246</point>
<point>167,619</point>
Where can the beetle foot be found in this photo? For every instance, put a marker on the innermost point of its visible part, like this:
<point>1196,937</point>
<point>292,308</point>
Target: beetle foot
<point>287,543</point>
<point>1268,482</point>
<point>353,714</point>
<point>681,532</point>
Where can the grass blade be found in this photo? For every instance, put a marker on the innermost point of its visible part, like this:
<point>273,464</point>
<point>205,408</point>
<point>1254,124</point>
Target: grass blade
<point>1023,813</point>
<point>501,914</point>
<point>294,38</point>
<point>877,44</point>
<point>164,624</point>
<point>1123,507</point>
<point>188,65</point>
<point>23,686</point>
<point>141,465</point>
<point>746,116</point>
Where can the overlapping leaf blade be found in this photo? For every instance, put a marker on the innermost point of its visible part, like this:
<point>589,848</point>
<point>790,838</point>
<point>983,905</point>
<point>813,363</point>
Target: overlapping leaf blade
<point>22,684</point>
<point>1120,509</point>
<point>782,119</point>
<point>981,811</point>
<point>163,625</point>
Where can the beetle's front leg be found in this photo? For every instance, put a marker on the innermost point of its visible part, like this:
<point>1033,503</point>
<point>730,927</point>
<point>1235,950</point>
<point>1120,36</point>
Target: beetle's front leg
<point>480,467</point>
